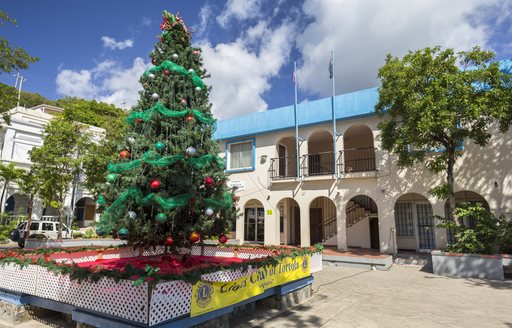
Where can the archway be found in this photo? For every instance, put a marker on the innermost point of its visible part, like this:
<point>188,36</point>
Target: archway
<point>289,221</point>
<point>284,165</point>
<point>85,208</point>
<point>254,222</point>
<point>464,196</point>
<point>322,221</point>
<point>362,222</point>
<point>414,223</point>
<point>320,158</point>
<point>358,152</point>
<point>17,204</point>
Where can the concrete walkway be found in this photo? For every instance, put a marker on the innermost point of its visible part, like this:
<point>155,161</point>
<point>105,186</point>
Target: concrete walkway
<point>401,297</point>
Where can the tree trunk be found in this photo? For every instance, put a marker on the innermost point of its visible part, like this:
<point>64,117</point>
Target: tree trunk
<point>450,182</point>
<point>29,219</point>
<point>2,208</point>
<point>61,216</point>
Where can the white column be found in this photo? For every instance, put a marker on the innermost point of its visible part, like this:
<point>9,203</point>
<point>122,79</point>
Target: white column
<point>341,227</point>
<point>439,233</point>
<point>305,238</point>
<point>387,230</point>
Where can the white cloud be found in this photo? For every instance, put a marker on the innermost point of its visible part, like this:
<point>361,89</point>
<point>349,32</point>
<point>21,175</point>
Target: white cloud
<point>362,32</point>
<point>112,44</point>
<point>239,10</point>
<point>204,20</point>
<point>107,81</point>
<point>240,76</point>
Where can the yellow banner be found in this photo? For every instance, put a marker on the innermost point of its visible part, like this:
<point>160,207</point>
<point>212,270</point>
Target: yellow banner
<point>210,296</point>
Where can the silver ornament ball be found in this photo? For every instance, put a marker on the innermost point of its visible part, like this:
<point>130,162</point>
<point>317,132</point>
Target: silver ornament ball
<point>131,140</point>
<point>191,151</point>
<point>155,96</point>
<point>151,76</point>
<point>132,215</point>
<point>208,211</point>
<point>198,88</point>
<point>175,56</point>
<point>191,70</point>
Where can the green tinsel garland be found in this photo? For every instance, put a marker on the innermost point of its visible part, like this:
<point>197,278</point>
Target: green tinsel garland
<point>160,108</point>
<point>137,274</point>
<point>153,158</point>
<point>171,66</point>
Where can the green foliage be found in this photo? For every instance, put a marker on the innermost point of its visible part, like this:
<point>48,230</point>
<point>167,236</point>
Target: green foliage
<point>6,228</point>
<point>57,161</point>
<point>8,173</point>
<point>435,99</point>
<point>173,110</point>
<point>91,112</point>
<point>492,235</point>
<point>11,59</point>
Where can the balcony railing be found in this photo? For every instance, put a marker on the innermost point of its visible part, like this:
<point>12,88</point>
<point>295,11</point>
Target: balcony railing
<point>283,168</point>
<point>358,160</point>
<point>317,164</point>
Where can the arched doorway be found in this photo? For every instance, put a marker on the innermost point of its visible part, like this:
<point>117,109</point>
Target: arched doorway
<point>85,208</point>
<point>359,152</point>
<point>362,222</point>
<point>320,158</point>
<point>464,196</point>
<point>254,222</point>
<point>17,204</point>
<point>414,223</point>
<point>322,221</point>
<point>289,221</point>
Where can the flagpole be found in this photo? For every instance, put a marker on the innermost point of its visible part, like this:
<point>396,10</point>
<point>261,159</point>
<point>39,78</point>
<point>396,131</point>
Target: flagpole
<point>334,134</point>
<point>296,119</point>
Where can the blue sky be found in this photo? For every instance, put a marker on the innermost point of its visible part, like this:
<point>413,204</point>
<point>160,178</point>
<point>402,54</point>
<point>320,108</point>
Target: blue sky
<point>98,49</point>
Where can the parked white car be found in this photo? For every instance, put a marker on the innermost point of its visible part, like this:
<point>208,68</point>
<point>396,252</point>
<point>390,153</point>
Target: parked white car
<point>40,230</point>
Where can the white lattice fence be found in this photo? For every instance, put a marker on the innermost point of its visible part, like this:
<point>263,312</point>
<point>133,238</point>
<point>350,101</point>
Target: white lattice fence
<point>23,280</point>
<point>316,262</point>
<point>169,300</point>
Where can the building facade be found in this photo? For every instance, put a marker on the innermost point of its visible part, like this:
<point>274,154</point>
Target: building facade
<point>16,140</point>
<point>343,189</point>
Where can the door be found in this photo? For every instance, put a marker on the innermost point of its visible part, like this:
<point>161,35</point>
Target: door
<point>282,161</point>
<point>315,225</point>
<point>374,233</point>
<point>296,215</point>
<point>254,224</point>
<point>425,226</point>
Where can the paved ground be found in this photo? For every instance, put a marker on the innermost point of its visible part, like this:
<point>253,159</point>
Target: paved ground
<point>400,297</point>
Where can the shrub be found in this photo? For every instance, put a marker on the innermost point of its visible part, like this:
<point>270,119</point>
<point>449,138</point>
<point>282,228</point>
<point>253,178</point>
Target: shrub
<point>491,235</point>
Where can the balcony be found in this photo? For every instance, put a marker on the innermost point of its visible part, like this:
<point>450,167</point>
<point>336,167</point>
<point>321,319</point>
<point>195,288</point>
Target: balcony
<point>317,164</point>
<point>358,160</point>
<point>283,168</point>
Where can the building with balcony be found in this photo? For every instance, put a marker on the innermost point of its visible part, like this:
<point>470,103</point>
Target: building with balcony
<point>16,140</point>
<point>338,186</point>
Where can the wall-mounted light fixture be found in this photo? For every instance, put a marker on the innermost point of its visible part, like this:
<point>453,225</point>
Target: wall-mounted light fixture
<point>263,159</point>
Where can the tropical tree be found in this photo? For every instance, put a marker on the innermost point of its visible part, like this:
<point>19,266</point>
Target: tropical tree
<point>30,183</point>
<point>12,59</point>
<point>8,173</point>
<point>436,99</point>
<point>57,162</point>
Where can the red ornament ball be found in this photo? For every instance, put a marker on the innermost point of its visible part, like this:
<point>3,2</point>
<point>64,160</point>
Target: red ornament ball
<point>223,239</point>
<point>167,72</point>
<point>194,237</point>
<point>189,118</point>
<point>183,101</point>
<point>155,185</point>
<point>161,39</point>
<point>195,52</point>
<point>124,154</point>
<point>169,241</point>
<point>140,121</point>
<point>208,182</point>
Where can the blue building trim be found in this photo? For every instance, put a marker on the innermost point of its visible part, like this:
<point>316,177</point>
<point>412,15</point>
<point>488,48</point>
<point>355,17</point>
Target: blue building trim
<point>253,155</point>
<point>348,106</point>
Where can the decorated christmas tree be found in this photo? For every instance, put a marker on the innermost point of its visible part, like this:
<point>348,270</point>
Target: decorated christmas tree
<point>168,185</point>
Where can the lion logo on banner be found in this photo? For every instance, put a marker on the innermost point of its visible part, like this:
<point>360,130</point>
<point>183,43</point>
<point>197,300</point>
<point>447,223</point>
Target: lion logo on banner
<point>305,264</point>
<point>204,293</point>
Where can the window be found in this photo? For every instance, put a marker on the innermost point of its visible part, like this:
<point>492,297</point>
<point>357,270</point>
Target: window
<point>47,226</point>
<point>34,226</point>
<point>403,220</point>
<point>240,155</point>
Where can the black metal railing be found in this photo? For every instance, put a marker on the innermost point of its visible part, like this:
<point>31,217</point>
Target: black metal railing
<point>358,160</point>
<point>283,168</point>
<point>317,164</point>
<point>330,227</point>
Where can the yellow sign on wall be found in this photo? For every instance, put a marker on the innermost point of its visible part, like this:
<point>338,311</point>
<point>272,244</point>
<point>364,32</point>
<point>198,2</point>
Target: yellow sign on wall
<point>269,212</point>
<point>210,296</point>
